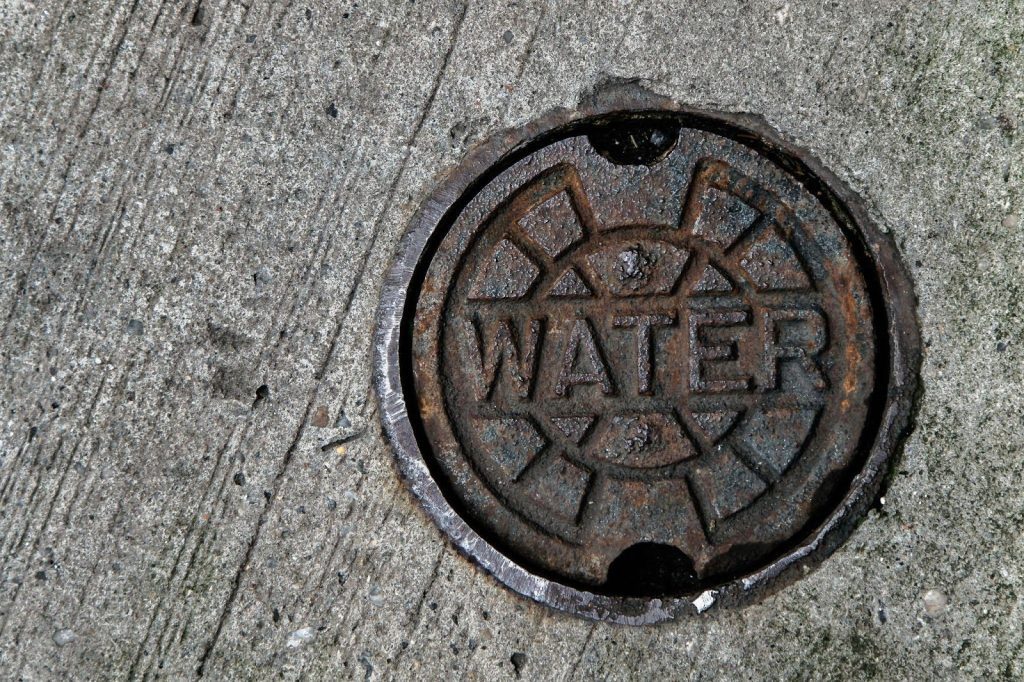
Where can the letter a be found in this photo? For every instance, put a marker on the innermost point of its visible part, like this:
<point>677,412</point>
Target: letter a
<point>582,342</point>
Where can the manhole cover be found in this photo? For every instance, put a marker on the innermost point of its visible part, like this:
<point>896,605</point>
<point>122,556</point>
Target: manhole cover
<point>638,360</point>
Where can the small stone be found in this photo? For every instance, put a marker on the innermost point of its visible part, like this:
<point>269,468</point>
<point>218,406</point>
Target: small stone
<point>332,110</point>
<point>507,36</point>
<point>988,123</point>
<point>64,637</point>
<point>782,14</point>
<point>135,327</point>
<point>1011,222</point>
<point>364,660</point>
<point>342,422</point>
<point>262,277</point>
<point>239,478</point>
<point>375,597</point>
<point>935,602</point>
<point>300,637</point>
<point>321,417</point>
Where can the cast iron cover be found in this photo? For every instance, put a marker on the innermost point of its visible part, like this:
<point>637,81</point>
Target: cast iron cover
<point>637,360</point>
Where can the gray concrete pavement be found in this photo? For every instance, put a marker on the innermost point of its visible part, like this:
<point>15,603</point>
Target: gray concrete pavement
<point>197,203</point>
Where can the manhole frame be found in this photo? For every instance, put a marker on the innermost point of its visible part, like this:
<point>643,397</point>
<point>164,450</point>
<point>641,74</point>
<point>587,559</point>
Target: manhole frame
<point>433,215</point>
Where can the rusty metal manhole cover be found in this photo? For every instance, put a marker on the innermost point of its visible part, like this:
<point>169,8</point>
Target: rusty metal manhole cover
<point>638,360</point>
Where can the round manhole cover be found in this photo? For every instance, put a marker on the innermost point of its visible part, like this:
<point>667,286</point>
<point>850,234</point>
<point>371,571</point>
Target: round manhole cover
<point>638,360</point>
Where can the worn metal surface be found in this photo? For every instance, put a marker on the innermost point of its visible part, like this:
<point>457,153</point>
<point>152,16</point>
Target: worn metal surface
<point>652,358</point>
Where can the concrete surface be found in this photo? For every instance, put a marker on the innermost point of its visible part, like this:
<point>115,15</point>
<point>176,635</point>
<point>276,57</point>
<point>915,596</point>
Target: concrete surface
<point>197,202</point>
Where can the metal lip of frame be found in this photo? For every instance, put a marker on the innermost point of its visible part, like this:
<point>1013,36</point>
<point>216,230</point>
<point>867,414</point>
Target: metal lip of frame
<point>625,101</point>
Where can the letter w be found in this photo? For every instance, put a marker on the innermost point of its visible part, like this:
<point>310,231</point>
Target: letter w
<point>499,352</point>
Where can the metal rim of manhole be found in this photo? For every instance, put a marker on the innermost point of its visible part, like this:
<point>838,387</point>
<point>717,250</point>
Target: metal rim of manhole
<point>637,360</point>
